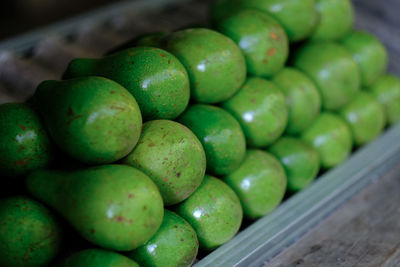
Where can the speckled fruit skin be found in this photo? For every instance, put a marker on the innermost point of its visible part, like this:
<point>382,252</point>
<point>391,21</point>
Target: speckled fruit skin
<point>365,117</point>
<point>93,119</point>
<point>24,143</point>
<point>214,211</point>
<point>261,110</point>
<point>172,156</point>
<point>302,99</point>
<point>261,38</point>
<point>387,90</point>
<point>157,80</point>
<point>174,245</point>
<point>97,257</point>
<point>260,182</point>
<point>298,18</point>
<point>333,71</point>
<point>220,134</point>
<point>336,19</point>
<point>215,64</point>
<point>369,53</point>
<point>113,206</point>
<point>29,234</point>
<point>152,39</point>
<point>331,137</point>
<point>299,159</point>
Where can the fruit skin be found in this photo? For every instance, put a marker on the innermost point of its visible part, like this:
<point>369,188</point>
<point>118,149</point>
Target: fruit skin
<point>369,53</point>
<point>220,134</point>
<point>97,257</point>
<point>299,159</point>
<point>261,38</point>
<point>260,182</point>
<point>24,143</point>
<point>332,69</point>
<point>30,235</point>
<point>172,156</point>
<point>365,117</point>
<point>331,137</point>
<point>113,206</point>
<point>387,90</point>
<point>214,211</point>
<point>260,108</point>
<point>157,80</point>
<point>174,245</point>
<point>302,99</point>
<point>93,119</point>
<point>336,19</point>
<point>152,39</point>
<point>215,64</point>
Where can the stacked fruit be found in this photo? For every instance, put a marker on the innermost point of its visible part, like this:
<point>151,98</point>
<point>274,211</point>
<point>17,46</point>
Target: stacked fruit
<point>225,102</point>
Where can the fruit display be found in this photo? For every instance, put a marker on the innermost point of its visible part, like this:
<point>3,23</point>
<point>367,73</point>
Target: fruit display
<point>156,152</point>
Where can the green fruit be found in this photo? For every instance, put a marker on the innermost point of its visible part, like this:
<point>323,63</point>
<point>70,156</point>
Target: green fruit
<point>113,206</point>
<point>156,78</point>
<point>299,159</point>
<point>369,53</point>
<point>174,245</point>
<point>97,257</point>
<point>333,70</point>
<point>172,156</point>
<point>215,64</point>
<point>261,110</point>
<point>220,134</point>
<point>260,37</point>
<point>260,183</point>
<point>153,39</point>
<point>302,99</point>
<point>29,235</point>
<point>387,90</point>
<point>214,212</point>
<point>365,117</point>
<point>93,119</point>
<point>331,137</point>
<point>336,19</point>
<point>24,143</point>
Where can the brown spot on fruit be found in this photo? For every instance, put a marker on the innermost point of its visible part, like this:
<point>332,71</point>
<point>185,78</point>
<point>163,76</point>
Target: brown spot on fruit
<point>151,145</point>
<point>92,231</point>
<point>169,61</point>
<point>22,162</point>
<point>178,174</point>
<point>70,112</point>
<point>274,35</point>
<point>162,55</point>
<point>271,51</point>
<point>131,196</point>
<point>23,128</point>
<point>144,207</point>
<point>112,92</point>
<point>265,61</point>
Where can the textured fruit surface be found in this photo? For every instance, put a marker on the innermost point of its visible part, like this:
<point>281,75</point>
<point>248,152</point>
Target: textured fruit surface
<point>214,211</point>
<point>220,134</point>
<point>260,182</point>
<point>172,156</point>
<point>174,245</point>
<point>113,206</point>
<point>29,234</point>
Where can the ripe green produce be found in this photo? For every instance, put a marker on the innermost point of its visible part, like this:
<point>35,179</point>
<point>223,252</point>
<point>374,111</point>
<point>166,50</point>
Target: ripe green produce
<point>365,117</point>
<point>260,182</point>
<point>93,119</point>
<point>331,137</point>
<point>387,90</point>
<point>369,53</point>
<point>172,156</point>
<point>113,206</point>
<point>97,257</point>
<point>220,134</point>
<point>174,245</point>
<point>336,19</point>
<point>156,78</point>
<point>261,38</point>
<point>299,159</point>
<point>29,234</point>
<point>24,143</point>
<point>302,99</point>
<point>214,211</point>
<point>333,70</point>
<point>261,110</point>
<point>215,64</point>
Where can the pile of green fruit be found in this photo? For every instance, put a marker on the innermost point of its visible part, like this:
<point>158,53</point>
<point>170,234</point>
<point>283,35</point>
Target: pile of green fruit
<point>125,150</point>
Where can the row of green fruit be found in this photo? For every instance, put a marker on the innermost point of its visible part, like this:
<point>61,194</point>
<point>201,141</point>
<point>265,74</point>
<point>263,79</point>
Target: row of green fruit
<point>80,147</point>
